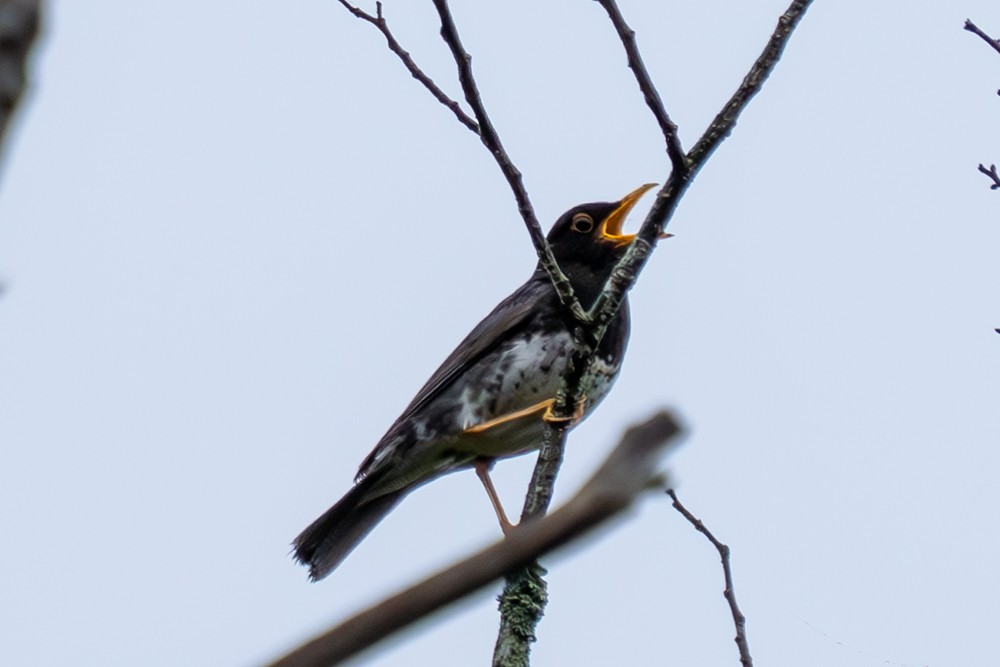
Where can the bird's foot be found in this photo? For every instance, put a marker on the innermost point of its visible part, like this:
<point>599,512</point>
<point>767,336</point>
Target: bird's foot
<point>578,410</point>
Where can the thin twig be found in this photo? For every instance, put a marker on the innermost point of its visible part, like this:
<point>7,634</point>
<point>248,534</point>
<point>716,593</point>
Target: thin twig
<point>992,173</point>
<point>490,138</point>
<point>631,468</point>
<point>738,618</point>
<point>972,27</point>
<point>383,26</point>
<point>649,92</point>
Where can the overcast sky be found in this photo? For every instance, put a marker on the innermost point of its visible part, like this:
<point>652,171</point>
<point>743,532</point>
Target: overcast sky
<point>237,237</point>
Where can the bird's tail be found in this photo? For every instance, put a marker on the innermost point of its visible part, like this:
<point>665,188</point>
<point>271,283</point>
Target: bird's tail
<point>328,539</point>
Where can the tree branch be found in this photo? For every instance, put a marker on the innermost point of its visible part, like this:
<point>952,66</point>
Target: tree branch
<point>523,591</point>
<point>379,22</point>
<point>490,138</point>
<point>630,469</point>
<point>992,174</point>
<point>739,620</point>
<point>669,196</point>
<point>972,27</point>
<point>484,128</point>
<point>18,29</point>
<point>649,92</point>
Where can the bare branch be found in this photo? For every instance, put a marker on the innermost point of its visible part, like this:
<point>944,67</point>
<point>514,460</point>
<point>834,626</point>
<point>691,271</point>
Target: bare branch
<point>379,22</point>
<point>490,138</point>
<point>725,121</point>
<point>630,469</point>
<point>739,620</point>
<point>592,324</point>
<point>972,27</point>
<point>602,312</point>
<point>992,173</point>
<point>18,28</point>
<point>649,92</point>
<point>669,196</point>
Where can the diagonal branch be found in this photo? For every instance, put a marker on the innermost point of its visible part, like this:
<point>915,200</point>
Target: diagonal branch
<point>739,620</point>
<point>649,92</point>
<point>18,28</point>
<point>484,128</point>
<point>725,121</point>
<point>972,27</point>
<point>630,469</point>
<point>490,138</point>
<point>383,26</point>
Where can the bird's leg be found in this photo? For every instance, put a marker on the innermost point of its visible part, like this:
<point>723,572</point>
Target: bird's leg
<point>578,410</point>
<point>483,472</point>
<point>545,405</point>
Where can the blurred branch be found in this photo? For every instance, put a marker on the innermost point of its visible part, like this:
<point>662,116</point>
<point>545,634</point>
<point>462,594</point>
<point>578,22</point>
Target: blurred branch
<point>630,469</point>
<point>739,620</point>
<point>18,29</point>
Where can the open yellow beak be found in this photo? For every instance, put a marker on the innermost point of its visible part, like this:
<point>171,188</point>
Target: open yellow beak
<point>611,228</point>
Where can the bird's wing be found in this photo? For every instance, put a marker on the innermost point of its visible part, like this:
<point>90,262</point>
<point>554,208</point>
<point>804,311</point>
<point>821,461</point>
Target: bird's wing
<point>509,315</point>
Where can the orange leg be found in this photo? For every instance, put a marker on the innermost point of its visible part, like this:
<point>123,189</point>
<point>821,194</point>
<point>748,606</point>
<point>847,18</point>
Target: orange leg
<point>578,410</point>
<point>483,472</point>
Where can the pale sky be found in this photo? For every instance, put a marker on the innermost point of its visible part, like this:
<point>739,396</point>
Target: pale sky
<point>237,237</point>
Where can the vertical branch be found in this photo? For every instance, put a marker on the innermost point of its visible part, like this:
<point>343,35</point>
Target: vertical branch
<point>990,173</point>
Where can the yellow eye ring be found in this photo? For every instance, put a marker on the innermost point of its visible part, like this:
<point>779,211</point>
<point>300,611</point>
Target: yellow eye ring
<point>582,223</point>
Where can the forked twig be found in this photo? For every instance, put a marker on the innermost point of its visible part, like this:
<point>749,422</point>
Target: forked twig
<point>383,26</point>
<point>483,127</point>
<point>992,173</point>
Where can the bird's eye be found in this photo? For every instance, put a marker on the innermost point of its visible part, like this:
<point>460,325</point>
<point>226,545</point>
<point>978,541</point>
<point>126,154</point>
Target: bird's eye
<point>582,223</point>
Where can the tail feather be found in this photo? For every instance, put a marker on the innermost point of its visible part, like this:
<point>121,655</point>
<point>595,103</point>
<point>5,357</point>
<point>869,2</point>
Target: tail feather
<point>329,539</point>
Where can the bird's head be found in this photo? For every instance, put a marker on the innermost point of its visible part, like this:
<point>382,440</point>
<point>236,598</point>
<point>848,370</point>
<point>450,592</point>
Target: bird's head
<point>587,241</point>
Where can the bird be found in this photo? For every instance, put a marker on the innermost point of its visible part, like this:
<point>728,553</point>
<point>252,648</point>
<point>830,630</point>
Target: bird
<point>492,396</point>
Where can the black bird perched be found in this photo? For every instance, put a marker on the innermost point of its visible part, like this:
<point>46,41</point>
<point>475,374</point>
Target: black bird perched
<point>492,395</point>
